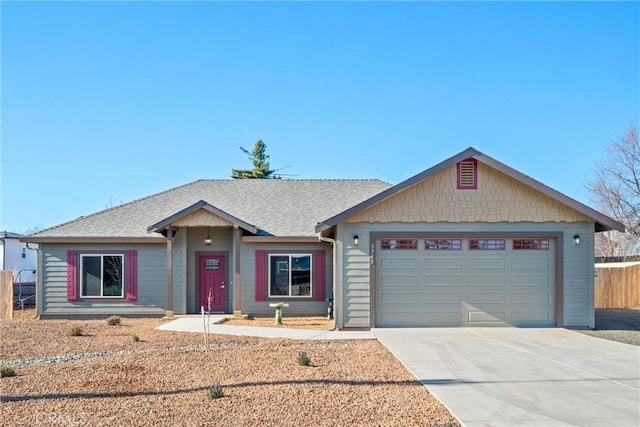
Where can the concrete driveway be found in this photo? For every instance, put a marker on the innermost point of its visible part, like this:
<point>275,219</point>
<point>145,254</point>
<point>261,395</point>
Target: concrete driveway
<point>523,377</point>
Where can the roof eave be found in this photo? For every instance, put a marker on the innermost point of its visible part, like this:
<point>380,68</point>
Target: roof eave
<point>603,222</point>
<point>279,239</point>
<point>209,208</point>
<point>92,239</point>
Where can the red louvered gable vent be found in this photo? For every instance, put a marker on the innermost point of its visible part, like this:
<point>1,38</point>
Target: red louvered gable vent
<point>468,174</point>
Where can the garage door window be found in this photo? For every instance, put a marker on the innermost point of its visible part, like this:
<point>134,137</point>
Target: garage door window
<point>392,244</point>
<point>443,245</point>
<point>487,244</point>
<point>535,244</point>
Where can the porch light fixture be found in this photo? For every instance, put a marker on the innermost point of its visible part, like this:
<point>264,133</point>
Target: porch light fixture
<point>576,240</point>
<point>208,241</point>
<point>356,240</point>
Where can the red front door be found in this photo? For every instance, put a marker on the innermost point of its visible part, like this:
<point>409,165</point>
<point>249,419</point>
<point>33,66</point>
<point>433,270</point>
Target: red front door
<point>212,282</point>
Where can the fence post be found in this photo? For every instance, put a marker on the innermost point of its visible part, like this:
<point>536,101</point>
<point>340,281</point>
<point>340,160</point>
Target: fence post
<point>6,295</point>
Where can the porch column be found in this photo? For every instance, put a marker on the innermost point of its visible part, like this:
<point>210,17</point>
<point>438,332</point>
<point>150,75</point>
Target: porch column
<point>171,232</point>
<point>237,309</point>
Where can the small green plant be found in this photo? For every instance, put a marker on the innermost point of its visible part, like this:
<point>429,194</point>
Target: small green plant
<point>303,358</point>
<point>114,321</point>
<point>75,331</point>
<point>6,371</point>
<point>215,391</point>
<point>135,338</point>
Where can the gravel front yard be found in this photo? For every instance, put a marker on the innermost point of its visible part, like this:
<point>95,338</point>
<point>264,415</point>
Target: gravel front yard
<point>162,380</point>
<point>617,324</point>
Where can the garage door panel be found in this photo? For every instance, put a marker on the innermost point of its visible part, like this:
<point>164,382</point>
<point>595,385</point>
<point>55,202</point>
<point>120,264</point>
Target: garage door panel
<point>443,318</point>
<point>399,280</point>
<point>486,316</point>
<point>487,280</point>
<point>538,280</point>
<point>399,263</point>
<point>531,318</point>
<point>441,298</point>
<point>431,280</point>
<point>539,261</point>
<point>400,317</point>
<point>487,262</point>
<point>530,298</point>
<point>399,298</point>
<point>442,263</point>
<point>487,298</point>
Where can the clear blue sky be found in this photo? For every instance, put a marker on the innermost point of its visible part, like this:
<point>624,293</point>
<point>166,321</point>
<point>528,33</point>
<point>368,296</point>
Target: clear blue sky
<point>107,102</point>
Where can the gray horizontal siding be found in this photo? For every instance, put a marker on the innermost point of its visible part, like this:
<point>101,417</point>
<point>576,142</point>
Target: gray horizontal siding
<point>249,304</point>
<point>354,279</point>
<point>152,282</point>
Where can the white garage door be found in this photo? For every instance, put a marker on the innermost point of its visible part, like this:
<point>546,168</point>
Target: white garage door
<point>465,282</point>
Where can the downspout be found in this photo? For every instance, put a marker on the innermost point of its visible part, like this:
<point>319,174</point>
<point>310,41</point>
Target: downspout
<point>38,278</point>
<point>333,283</point>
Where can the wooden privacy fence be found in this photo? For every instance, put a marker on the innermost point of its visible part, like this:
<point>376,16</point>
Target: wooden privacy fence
<point>6,294</point>
<point>617,285</point>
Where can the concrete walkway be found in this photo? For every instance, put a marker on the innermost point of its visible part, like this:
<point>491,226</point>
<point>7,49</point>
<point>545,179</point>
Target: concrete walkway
<point>506,377</point>
<point>195,324</point>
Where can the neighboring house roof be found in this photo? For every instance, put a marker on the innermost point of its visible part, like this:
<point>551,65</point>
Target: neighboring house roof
<point>10,235</point>
<point>603,222</point>
<point>270,206</point>
<point>617,264</point>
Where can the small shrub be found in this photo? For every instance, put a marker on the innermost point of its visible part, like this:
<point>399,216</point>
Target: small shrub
<point>303,358</point>
<point>215,391</point>
<point>75,331</point>
<point>135,338</point>
<point>114,321</point>
<point>6,371</point>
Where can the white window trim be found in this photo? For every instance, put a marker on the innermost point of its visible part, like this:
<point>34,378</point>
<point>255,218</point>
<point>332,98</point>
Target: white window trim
<point>101,255</point>
<point>290,255</point>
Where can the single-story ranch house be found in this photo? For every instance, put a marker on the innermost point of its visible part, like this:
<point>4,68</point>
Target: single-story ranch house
<point>469,241</point>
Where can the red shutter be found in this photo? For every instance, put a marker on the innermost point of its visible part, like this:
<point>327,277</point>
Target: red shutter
<point>131,285</point>
<point>319,275</point>
<point>72,275</point>
<point>261,275</point>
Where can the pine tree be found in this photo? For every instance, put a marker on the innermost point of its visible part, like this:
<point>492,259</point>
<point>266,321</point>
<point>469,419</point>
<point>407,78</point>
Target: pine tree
<point>259,159</point>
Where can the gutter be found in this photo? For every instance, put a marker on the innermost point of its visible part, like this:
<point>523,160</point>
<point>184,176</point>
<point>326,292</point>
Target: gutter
<point>333,284</point>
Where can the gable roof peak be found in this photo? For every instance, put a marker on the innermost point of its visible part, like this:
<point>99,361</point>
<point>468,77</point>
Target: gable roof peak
<point>603,222</point>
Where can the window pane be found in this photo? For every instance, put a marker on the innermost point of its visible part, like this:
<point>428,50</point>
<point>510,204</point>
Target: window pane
<point>91,276</point>
<point>112,276</point>
<point>487,244</point>
<point>301,275</point>
<point>531,244</point>
<point>279,280</point>
<point>443,244</point>
<point>392,244</point>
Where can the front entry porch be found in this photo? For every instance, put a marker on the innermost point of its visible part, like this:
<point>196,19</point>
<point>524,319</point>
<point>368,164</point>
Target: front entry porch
<point>203,258</point>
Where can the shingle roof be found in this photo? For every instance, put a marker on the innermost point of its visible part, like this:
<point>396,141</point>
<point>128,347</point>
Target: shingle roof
<point>276,207</point>
<point>10,235</point>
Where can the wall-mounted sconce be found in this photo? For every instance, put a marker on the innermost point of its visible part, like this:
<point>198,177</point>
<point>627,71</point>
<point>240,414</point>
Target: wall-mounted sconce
<point>576,240</point>
<point>356,240</point>
<point>208,241</point>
